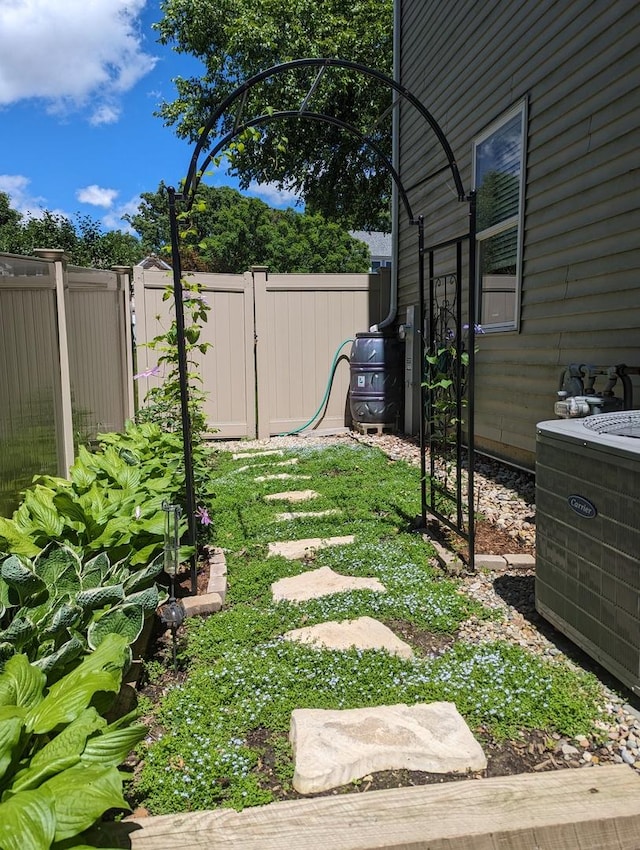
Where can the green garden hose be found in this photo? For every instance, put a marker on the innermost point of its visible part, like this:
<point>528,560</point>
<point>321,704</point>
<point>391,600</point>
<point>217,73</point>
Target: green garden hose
<point>325,399</point>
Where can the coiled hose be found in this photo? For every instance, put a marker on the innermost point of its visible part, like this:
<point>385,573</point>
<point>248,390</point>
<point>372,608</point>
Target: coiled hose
<point>325,399</point>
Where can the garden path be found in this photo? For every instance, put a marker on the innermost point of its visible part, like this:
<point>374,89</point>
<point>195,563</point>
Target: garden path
<point>332,748</point>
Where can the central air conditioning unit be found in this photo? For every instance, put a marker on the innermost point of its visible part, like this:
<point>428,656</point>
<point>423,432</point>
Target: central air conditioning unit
<point>588,536</point>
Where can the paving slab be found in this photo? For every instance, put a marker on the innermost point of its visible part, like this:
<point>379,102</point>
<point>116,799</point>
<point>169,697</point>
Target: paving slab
<point>292,496</point>
<point>282,476</point>
<point>287,516</point>
<point>295,550</point>
<point>362,633</point>
<point>321,582</point>
<point>523,562</point>
<point>490,562</point>
<point>206,603</point>
<point>332,748</point>
<point>267,453</point>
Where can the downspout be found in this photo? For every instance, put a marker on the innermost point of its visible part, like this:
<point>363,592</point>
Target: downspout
<point>395,159</point>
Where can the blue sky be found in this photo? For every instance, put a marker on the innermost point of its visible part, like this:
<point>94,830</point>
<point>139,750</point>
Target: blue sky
<point>79,83</point>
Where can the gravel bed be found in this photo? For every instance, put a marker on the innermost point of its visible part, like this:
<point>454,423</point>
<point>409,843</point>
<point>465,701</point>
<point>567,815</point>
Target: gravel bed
<point>506,498</point>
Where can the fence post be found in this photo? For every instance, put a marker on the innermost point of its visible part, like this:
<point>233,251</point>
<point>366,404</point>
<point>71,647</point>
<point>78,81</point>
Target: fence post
<point>125,274</point>
<point>64,426</point>
<point>260,275</point>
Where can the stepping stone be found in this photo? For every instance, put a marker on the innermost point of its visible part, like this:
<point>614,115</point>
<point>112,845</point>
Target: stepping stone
<point>363,633</point>
<point>320,582</point>
<point>291,515</point>
<point>332,748</point>
<point>282,476</point>
<point>270,452</point>
<point>294,550</point>
<point>292,496</point>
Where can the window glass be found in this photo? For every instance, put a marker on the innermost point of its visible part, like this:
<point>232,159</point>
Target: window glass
<point>498,180</point>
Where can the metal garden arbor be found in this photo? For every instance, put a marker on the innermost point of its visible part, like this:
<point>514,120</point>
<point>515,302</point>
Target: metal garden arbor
<point>440,308</point>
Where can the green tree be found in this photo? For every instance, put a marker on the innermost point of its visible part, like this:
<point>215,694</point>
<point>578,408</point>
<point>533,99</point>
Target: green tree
<point>229,232</point>
<point>85,242</point>
<point>329,169</point>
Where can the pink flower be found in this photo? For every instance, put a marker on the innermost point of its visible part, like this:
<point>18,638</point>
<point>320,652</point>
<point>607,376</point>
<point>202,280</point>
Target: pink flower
<point>203,515</point>
<point>148,373</point>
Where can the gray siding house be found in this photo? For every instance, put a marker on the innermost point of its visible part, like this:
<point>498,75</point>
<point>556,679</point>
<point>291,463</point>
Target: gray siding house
<point>540,103</point>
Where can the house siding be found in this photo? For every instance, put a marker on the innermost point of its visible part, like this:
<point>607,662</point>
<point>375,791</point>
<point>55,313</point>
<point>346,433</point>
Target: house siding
<point>577,64</point>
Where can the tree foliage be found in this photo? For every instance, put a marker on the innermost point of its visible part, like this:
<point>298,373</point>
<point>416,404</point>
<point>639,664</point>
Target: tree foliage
<point>329,169</point>
<point>85,242</point>
<point>229,232</point>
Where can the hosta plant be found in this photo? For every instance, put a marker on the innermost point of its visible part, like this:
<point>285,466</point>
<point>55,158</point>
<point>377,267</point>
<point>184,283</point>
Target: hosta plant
<point>58,756</point>
<point>55,607</point>
<point>111,502</point>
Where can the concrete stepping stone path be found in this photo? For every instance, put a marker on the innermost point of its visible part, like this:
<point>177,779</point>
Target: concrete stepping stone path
<point>332,748</point>
<point>362,633</point>
<point>294,550</point>
<point>292,496</point>
<point>321,582</point>
<point>292,515</point>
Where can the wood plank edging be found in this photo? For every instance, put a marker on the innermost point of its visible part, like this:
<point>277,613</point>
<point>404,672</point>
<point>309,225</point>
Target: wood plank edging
<point>588,809</point>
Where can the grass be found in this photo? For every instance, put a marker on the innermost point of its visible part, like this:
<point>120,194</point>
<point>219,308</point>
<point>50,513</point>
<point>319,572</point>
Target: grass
<point>244,679</point>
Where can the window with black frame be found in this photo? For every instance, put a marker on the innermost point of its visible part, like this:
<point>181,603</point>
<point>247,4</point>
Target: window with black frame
<point>498,178</point>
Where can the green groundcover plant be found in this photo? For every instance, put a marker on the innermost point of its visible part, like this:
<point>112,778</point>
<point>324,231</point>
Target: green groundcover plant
<point>59,757</point>
<point>232,712</point>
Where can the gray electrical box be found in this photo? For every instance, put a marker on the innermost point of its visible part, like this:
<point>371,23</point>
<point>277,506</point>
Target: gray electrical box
<point>588,536</point>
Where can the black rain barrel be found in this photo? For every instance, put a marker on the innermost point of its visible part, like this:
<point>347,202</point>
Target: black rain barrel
<point>376,379</point>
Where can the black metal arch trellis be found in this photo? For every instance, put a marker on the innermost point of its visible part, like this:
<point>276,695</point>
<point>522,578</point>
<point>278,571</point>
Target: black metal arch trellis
<point>203,156</point>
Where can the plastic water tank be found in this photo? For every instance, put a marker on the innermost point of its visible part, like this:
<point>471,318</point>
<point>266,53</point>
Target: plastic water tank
<point>376,379</point>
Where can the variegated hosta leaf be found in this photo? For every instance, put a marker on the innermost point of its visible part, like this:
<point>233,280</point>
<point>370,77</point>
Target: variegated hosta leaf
<point>147,599</point>
<point>54,562</point>
<point>65,617</point>
<point>62,656</point>
<point>19,632</point>
<point>98,597</point>
<point>140,579</point>
<point>21,578</point>
<point>125,620</point>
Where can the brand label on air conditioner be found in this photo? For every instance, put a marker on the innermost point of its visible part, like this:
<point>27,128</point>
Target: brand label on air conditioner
<point>581,506</point>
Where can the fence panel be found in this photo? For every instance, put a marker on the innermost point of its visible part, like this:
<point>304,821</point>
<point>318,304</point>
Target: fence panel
<point>100,362</point>
<point>274,339</point>
<point>227,370</point>
<point>308,322</point>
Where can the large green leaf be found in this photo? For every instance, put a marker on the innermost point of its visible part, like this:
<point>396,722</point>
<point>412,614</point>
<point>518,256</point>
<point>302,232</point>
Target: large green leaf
<point>67,698</point>
<point>116,531</point>
<point>27,820</point>
<point>125,620</point>
<point>81,795</point>
<point>144,555</point>
<point>112,747</point>
<point>61,753</point>
<point>65,617</point>
<point>11,725</point>
<point>70,507</point>
<point>19,541</point>
<point>128,477</point>
<point>39,501</point>
<point>21,683</point>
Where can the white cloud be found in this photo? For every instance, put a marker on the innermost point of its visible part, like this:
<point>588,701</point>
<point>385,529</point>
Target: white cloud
<point>17,187</point>
<point>271,194</point>
<point>97,196</point>
<point>70,51</point>
<point>113,219</point>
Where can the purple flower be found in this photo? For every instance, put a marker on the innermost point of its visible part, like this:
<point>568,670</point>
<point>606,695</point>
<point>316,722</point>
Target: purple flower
<point>203,515</point>
<point>148,373</point>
